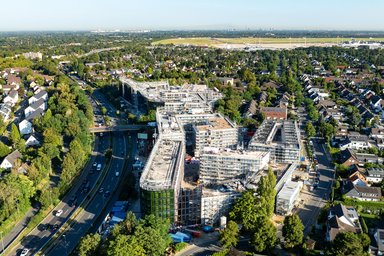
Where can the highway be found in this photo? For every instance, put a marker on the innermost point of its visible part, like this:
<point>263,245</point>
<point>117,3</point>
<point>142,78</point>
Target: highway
<point>41,234</point>
<point>69,239</point>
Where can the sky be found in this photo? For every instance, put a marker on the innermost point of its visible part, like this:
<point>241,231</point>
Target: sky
<point>26,15</point>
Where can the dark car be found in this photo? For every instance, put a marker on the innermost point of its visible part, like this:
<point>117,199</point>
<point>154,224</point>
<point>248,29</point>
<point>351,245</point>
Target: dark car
<point>43,227</point>
<point>55,227</point>
<point>107,194</point>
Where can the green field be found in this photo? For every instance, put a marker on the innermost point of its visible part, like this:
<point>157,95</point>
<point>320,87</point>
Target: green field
<point>208,41</point>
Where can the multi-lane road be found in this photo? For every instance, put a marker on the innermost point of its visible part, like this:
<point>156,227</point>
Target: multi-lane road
<point>43,232</point>
<point>93,190</point>
<point>80,225</point>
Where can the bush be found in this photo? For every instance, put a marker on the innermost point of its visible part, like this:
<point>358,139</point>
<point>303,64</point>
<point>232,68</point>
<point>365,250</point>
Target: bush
<point>180,246</point>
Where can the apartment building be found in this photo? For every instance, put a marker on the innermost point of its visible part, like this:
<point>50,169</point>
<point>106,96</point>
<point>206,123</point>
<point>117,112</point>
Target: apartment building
<point>281,138</point>
<point>221,166</point>
<point>217,131</point>
<point>161,179</point>
<point>216,203</point>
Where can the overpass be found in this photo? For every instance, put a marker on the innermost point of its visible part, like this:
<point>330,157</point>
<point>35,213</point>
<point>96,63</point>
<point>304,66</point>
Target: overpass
<point>118,128</point>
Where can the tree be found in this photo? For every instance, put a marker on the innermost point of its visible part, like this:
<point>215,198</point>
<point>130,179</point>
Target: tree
<point>4,150</point>
<point>104,110</point>
<point>89,244</point>
<point>293,231</point>
<point>125,245</point>
<point>365,240</point>
<point>267,193</point>
<point>245,210</point>
<point>264,236</point>
<point>363,225</point>
<point>327,130</point>
<point>346,243</point>
<point>15,134</point>
<point>230,235</point>
<point>310,130</point>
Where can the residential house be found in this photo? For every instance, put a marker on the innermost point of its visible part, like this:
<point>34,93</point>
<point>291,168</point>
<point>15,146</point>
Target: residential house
<point>275,113</point>
<point>250,109</point>
<point>342,219</point>
<point>40,95</point>
<point>12,98</point>
<point>38,113</point>
<point>348,157</point>
<point>25,127</point>
<point>377,103</point>
<point>368,158</point>
<point>377,132</point>
<point>40,104</point>
<point>9,161</point>
<point>355,141</point>
<point>375,175</point>
<point>363,193</point>
<point>358,179</point>
<point>284,100</point>
<point>379,237</point>
<point>32,141</point>
<point>5,111</point>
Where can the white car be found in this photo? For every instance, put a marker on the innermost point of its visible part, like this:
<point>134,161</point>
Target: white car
<point>24,252</point>
<point>98,167</point>
<point>94,164</point>
<point>58,213</point>
<point>117,174</point>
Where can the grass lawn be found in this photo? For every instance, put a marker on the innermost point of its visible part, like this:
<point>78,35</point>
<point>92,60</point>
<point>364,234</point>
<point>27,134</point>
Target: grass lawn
<point>208,41</point>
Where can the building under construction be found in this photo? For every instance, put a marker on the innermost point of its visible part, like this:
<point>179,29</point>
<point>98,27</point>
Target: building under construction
<point>281,138</point>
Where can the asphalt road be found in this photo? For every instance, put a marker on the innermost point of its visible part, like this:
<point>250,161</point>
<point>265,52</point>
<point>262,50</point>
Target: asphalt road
<point>317,198</point>
<point>38,237</point>
<point>68,240</point>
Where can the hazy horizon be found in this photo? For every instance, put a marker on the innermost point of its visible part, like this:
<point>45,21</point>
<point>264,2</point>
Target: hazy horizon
<point>45,15</point>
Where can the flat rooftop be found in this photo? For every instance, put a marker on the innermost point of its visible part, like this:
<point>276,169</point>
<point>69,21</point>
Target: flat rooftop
<point>162,92</point>
<point>235,153</point>
<point>216,123</point>
<point>276,132</point>
<point>162,167</point>
<point>289,188</point>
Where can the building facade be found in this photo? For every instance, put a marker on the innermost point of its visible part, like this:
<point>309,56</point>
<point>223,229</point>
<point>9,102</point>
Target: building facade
<point>161,179</point>
<point>281,139</point>
<point>220,166</point>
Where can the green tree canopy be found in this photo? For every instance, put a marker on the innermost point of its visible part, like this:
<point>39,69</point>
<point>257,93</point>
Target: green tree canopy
<point>230,235</point>
<point>346,243</point>
<point>293,231</point>
<point>89,244</point>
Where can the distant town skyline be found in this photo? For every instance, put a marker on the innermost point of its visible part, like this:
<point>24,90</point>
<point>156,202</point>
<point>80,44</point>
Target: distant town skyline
<point>25,15</point>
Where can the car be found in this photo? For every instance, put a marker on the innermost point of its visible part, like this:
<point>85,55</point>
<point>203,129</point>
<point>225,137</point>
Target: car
<point>58,213</point>
<point>107,194</point>
<point>43,227</point>
<point>55,227</point>
<point>98,167</point>
<point>24,252</point>
<point>117,174</point>
<point>94,164</point>
<point>101,190</point>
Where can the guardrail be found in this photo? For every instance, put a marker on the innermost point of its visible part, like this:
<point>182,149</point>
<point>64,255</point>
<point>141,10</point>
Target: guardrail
<point>81,206</point>
<point>84,204</point>
<point>20,235</point>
